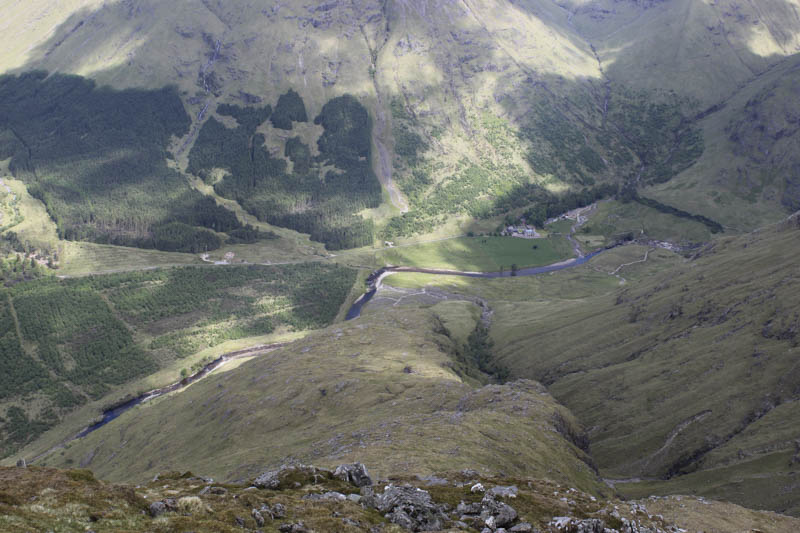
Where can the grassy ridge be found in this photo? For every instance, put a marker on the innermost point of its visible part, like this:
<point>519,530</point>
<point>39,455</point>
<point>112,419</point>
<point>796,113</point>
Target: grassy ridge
<point>365,390</point>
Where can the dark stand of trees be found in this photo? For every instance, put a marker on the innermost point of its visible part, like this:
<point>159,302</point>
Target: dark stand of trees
<point>290,108</point>
<point>97,159</point>
<point>304,199</point>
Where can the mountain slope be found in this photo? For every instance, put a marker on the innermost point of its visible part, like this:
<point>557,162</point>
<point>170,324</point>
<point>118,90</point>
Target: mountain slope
<point>363,391</point>
<point>703,49</point>
<point>692,371</point>
<point>476,107</point>
<point>750,159</point>
<point>684,371</point>
<point>95,340</point>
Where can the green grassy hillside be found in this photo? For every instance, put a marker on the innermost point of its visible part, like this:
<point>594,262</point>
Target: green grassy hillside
<point>686,372</point>
<point>68,343</point>
<point>364,390</point>
<point>705,49</point>
<point>750,159</point>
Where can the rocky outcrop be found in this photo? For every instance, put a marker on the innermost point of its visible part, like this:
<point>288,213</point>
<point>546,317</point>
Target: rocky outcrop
<point>355,474</point>
<point>291,476</point>
<point>491,514</point>
<point>258,517</point>
<point>414,509</point>
<point>298,475</point>
<point>566,524</point>
<point>298,527</point>
<point>157,508</point>
<point>411,508</point>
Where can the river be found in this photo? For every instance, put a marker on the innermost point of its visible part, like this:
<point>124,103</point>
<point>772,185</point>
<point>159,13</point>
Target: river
<point>375,279</point>
<point>113,412</point>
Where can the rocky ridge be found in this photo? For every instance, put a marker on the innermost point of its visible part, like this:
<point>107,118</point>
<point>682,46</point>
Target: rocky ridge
<point>298,498</point>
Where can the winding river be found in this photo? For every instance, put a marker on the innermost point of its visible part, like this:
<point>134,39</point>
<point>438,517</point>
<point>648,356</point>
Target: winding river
<point>373,283</point>
<point>116,410</point>
<point>375,279</point>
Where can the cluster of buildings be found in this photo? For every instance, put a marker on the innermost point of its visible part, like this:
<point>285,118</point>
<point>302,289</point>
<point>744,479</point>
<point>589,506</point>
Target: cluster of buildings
<point>523,230</point>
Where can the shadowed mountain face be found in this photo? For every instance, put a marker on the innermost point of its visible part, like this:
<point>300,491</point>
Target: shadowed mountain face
<point>705,49</point>
<point>469,100</point>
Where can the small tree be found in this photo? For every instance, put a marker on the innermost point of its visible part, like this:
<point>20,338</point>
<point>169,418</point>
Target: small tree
<point>514,269</point>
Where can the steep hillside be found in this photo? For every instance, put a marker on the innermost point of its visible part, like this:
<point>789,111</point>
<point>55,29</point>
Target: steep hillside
<point>93,341</point>
<point>476,109</point>
<point>750,158</point>
<point>687,372</point>
<point>365,390</point>
<point>705,49</point>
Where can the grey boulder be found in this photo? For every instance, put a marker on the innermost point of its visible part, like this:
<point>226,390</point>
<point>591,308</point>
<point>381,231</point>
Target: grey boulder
<point>354,473</point>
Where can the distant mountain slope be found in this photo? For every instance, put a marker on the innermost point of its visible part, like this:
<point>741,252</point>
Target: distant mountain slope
<point>702,49</point>
<point>472,103</point>
<point>751,156</point>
